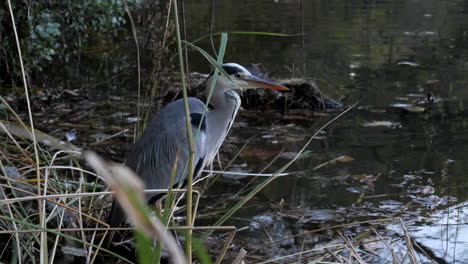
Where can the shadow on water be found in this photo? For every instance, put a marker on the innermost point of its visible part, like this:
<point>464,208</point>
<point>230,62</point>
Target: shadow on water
<point>405,143</point>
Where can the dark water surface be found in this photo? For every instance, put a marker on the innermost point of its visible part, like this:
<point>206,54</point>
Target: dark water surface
<point>404,144</point>
<point>406,64</point>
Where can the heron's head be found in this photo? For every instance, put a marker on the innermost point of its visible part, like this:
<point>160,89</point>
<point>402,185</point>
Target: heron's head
<point>241,78</point>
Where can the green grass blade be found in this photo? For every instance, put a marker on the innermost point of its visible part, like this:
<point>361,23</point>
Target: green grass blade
<point>188,213</point>
<point>246,33</point>
<point>201,252</point>
<point>144,248</point>
<point>221,52</point>
<point>219,61</point>
<point>222,47</point>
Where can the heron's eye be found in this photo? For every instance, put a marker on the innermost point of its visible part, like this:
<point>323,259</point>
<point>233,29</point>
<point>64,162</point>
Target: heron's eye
<point>237,75</point>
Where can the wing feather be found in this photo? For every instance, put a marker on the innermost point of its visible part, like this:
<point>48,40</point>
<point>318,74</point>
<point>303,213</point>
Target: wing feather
<point>155,152</point>
<point>165,138</point>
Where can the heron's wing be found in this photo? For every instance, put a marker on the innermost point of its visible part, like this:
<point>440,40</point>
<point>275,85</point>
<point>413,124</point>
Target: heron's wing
<point>164,140</point>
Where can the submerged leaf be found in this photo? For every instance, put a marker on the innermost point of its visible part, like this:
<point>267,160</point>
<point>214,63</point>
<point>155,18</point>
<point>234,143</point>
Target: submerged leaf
<point>387,124</point>
<point>344,159</point>
<point>409,107</point>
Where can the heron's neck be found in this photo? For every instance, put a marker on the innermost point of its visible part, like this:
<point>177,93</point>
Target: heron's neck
<point>221,118</point>
<point>225,102</point>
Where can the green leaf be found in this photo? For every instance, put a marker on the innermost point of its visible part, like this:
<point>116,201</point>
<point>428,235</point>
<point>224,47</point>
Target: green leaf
<point>201,252</point>
<point>144,248</point>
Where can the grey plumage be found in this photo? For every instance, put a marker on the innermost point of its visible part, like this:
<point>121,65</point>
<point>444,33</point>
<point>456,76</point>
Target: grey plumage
<point>165,137</point>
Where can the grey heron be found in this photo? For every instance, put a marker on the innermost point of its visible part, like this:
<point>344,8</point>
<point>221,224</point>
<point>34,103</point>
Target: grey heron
<point>165,137</point>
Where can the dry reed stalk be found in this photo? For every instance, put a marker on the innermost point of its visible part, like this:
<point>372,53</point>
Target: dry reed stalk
<point>352,249</point>
<point>135,38</point>
<point>330,228</point>
<point>301,253</point>
<point>190,139</point>
<point>394,256</point>
<point>409,244</point>
<point>240,257</point>
<point>93,229</point>
<point>225,247</point>
<point>51,196</point>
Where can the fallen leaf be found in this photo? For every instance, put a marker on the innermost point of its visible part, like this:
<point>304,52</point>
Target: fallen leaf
<point>71,93</point>
<point>344,159</point>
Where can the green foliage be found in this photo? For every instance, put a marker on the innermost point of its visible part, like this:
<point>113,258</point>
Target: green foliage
<point>55,30</point>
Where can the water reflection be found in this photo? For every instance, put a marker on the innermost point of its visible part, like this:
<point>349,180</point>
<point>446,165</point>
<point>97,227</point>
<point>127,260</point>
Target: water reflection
<point>403,60</point>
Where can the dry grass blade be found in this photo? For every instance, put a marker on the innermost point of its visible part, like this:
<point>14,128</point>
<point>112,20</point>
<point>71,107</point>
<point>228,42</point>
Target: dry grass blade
<point>93,229</point>
<point>15,227</point>
<point>247,174</point>
<point>129,193</point>
<point>190,138</point>
<point>300,253</point>
<point>330,228</point>
<point>352,249</point>
<point>335,257</point>
<point>409,244</point>
<point>225,247</point>
<point>240,257</point>
<point>392,251</point>
<point>44,251</point>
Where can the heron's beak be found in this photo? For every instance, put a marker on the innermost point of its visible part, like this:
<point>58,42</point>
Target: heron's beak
<point>257,82</point>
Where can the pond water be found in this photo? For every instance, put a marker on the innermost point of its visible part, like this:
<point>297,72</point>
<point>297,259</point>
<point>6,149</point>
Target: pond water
<point>400,152</point>
<point>406,64</point>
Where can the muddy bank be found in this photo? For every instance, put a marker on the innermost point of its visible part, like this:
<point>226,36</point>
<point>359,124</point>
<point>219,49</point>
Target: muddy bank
<point>303,94</point>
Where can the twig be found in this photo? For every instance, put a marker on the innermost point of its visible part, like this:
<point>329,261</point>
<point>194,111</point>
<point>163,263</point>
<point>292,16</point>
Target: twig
<point>351,248</point>
<point>109,137</point>
<point>333,255</point>
<point>302,249</point>
<point>394,256</point>
<point>410,251</point>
